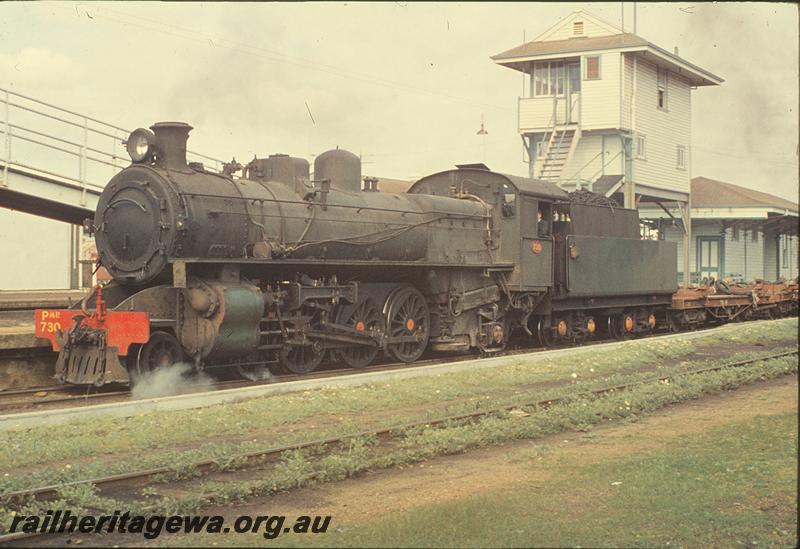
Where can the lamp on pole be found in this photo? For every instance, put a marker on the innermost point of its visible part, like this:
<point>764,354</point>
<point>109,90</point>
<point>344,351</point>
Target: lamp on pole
<point>483,133</point>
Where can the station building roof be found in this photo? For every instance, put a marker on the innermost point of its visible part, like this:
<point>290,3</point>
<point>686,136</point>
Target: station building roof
<point>710,193</point>
<point>714,200</point>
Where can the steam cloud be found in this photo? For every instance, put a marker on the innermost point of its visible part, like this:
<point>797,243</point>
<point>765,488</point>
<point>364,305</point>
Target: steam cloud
<point>173,380</point>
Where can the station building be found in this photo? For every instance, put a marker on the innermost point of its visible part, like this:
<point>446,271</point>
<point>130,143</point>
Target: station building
<point>737,233</point>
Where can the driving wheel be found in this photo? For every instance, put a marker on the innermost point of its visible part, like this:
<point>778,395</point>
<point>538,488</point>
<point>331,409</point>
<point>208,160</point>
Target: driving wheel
<point>364,316</point>
<point>407,317</point>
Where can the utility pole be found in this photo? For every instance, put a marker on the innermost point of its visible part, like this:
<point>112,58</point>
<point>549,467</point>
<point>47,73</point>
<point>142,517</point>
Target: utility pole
<point>524,74</point>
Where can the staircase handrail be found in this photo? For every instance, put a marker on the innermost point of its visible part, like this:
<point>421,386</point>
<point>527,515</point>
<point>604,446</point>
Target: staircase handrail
<point>598,172</point>
<point>552,130</point>
<point>578,173</point>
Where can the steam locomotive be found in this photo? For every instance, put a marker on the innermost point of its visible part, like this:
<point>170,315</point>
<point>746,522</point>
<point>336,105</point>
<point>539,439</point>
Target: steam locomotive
<point>277,269</point>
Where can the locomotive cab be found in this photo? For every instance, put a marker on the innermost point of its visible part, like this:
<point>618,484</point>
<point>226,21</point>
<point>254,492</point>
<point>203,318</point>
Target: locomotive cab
<point>521,217</point>
<point>536,242</point>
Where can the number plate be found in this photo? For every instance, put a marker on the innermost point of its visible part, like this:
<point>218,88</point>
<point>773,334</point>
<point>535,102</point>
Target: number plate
<point>50,321</point>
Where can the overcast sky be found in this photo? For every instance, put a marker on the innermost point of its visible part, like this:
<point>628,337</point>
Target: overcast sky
<point>403,84</point>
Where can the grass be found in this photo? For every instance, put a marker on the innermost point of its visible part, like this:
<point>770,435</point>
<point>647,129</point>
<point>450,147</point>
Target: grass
<point>279,415</point>
<point>188,435</point>
<point>301,468</point>
<point>117,444</point>
<point>222,452</point>
<point>675,492</point>
<point>731,487</point>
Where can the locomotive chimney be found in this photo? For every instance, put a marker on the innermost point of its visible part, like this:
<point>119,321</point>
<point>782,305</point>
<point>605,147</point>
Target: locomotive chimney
<point>171,138</point>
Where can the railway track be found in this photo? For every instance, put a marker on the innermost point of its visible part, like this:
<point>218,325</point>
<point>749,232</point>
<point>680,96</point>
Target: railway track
<point>36,398</point>
<point>267,456</point>
<point>40,397</point>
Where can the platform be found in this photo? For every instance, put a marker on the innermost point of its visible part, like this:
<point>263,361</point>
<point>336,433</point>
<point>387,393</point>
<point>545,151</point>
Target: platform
<point>16,331</point>
<point>25,360</point>
<point>22,300</point>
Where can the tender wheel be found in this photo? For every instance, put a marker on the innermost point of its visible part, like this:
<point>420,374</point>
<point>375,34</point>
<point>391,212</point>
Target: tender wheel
<point>545,331</point>
<point>621,326</point>
<point>161,351</point>
<point>674,322</point>
<point>365,316</point>
<point>407,316</point>
<point>494,337</point>
<point>614,327</point>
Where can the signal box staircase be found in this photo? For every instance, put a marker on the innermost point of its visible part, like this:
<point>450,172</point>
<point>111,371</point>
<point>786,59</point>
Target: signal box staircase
<point>556,153</point>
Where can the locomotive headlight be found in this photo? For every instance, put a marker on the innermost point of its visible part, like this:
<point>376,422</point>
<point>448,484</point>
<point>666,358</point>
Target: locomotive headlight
<point>141,145</point>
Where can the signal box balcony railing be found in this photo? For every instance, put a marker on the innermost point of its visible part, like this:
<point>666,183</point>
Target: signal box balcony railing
<point>540,114</point>
<point>63,145</point>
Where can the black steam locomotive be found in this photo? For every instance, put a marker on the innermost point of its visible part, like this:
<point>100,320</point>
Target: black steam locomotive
<point>279,269</point>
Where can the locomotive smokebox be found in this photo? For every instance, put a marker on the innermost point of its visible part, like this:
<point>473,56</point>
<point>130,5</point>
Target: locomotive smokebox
<point>171,138</point>
<point>341,167</point>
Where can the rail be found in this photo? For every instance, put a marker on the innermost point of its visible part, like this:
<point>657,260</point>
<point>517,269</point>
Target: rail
<point>48,139</point>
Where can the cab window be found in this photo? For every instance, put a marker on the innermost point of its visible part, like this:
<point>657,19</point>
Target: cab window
<point>509,201</point>
<point>544,217</point>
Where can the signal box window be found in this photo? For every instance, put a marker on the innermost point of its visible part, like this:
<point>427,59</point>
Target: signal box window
<point>548,78</point>
<point>641,147</point>
<point>662,88</point>
<point>592,68</point>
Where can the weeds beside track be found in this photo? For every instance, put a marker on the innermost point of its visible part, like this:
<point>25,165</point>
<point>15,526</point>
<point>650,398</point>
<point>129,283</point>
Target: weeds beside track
<point>345,455</point>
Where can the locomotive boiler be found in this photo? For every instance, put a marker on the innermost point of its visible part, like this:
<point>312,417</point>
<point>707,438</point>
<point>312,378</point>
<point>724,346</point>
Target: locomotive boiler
<point>281,268</point>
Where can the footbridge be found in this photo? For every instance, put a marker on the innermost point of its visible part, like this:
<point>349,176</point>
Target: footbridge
<point>54,163</point>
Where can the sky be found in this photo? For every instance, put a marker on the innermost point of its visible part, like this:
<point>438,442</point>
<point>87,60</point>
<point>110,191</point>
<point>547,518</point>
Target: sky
<point>403,84</point>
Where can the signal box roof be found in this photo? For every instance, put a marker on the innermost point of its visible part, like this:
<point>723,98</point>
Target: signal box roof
<point>603,37</point>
